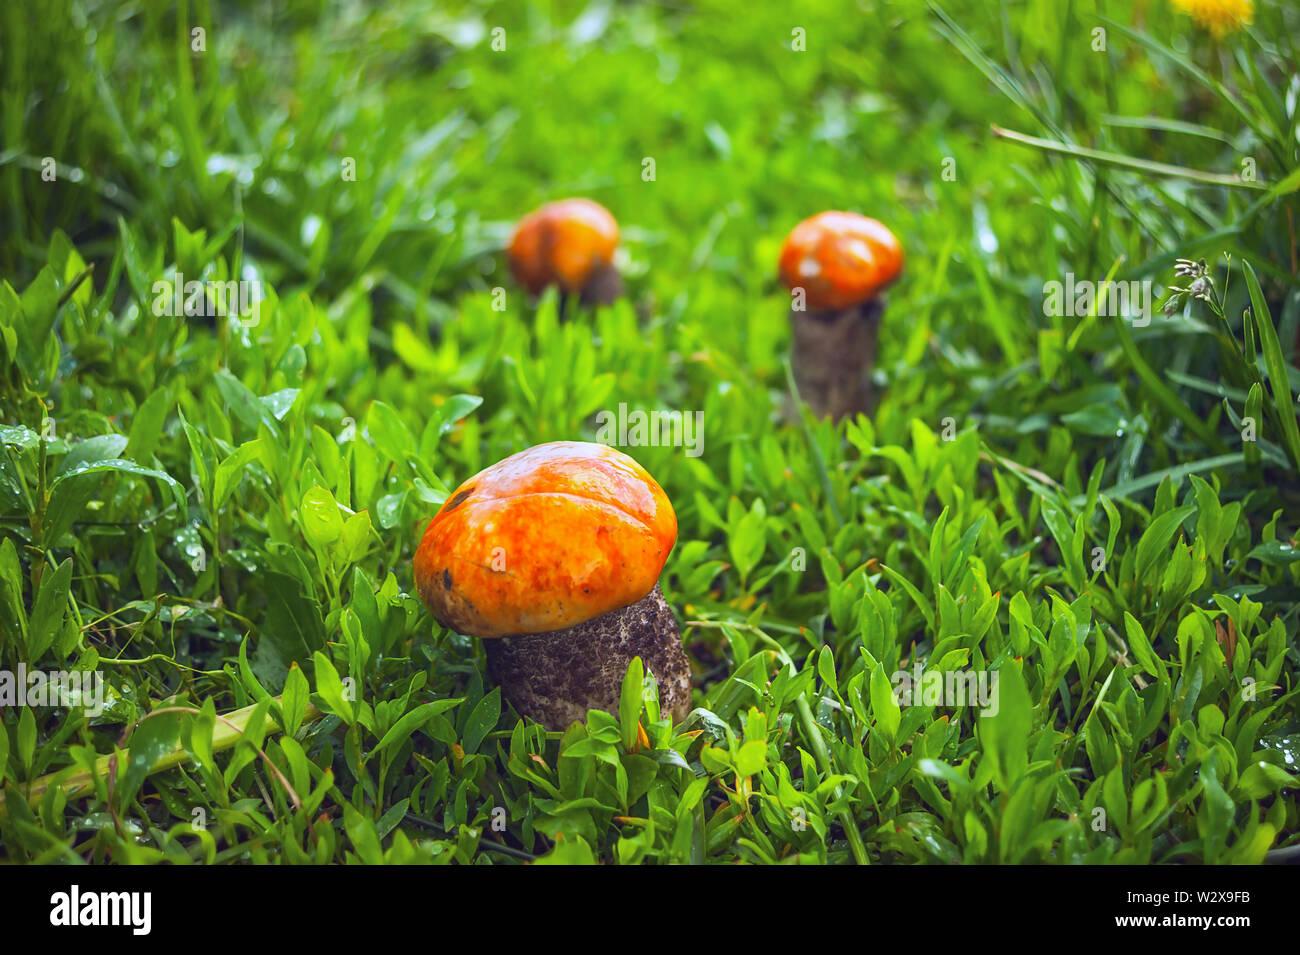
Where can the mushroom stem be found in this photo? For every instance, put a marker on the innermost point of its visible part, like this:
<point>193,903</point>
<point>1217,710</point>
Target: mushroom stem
<point>556,677</point>
<point>832,356</point>
<point>603,287</point>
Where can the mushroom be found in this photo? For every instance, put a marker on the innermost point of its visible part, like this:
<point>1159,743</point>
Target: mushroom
<point>553,556</point>
<point>840,262</point>
<point>569,243</point>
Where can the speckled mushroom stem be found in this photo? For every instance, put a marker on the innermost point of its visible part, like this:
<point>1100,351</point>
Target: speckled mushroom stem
<point>603,287</point>
<point>556,677</point>
<point>832,354</point>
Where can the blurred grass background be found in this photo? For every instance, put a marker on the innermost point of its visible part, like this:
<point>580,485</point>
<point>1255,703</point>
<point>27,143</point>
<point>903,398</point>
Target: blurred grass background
<point>453,141</point>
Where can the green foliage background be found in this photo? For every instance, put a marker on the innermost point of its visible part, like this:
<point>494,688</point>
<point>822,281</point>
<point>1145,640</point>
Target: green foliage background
<point>218,516</point>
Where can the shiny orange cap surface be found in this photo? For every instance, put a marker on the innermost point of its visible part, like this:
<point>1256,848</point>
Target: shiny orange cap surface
<point>840,259</point>
<point>562,243</point>
<point>545,539</point>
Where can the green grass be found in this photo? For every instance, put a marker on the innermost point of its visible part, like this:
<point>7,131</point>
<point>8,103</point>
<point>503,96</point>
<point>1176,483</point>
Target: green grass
<point>221,518</point>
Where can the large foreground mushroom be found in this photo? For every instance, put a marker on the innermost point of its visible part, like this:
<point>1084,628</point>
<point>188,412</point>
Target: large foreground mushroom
<point>553,556</point>
<point>569,243</point>
<point>836,264</point>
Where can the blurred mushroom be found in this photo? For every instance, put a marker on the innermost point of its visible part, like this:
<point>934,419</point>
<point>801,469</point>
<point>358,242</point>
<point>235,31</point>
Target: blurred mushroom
<point>837,263</point>
<point>569,243</point>
<point>553,556</point>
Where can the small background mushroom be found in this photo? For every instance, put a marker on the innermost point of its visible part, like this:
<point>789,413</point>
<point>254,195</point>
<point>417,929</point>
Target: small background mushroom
<point>837,264</point>
<point>569,243</point>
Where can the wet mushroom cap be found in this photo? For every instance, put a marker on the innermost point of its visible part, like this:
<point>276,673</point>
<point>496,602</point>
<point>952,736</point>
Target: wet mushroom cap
<point>546,539</point>
<point>562,243</point>
<point>840,259</point>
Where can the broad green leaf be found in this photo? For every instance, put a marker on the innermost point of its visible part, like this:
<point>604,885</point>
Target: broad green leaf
<point>293,701</point>
<point>751,757</point>
<point>630,705</point>
<point>104,447</point>
<point>149,742</point>
<point>48,612</point>
<point>231,471</point>
<point>322,524</point>
<point>482,719</point>
<point>331,690</point>
<point>1005,733</point>
<point>570,850</point>
<point>410,722</point>
<point>1154,543</point>
<point>883,705</point>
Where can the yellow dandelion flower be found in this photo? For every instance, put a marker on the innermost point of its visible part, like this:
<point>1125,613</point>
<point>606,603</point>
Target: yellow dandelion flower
<point>1220,17</point>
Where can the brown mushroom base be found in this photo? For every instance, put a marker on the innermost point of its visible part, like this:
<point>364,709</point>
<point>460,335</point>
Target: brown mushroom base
<point>556,677</point>
<point>832,355</point>
<point>603,286</point>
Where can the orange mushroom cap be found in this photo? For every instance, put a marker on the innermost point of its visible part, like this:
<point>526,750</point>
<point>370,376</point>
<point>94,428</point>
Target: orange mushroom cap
<point>562,243</point>
<point>840,259</point>
<point>546,539</point>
